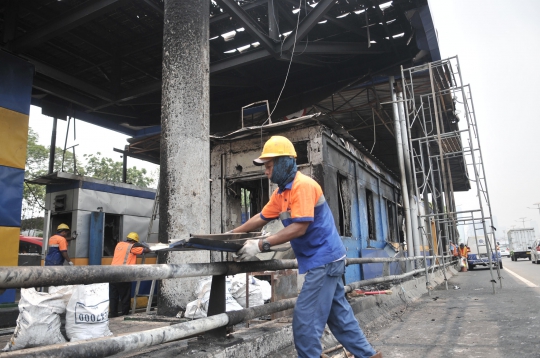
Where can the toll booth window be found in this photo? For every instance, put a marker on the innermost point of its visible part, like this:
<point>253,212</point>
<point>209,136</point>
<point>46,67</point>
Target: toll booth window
<point>344,205</point>
<point>371,215</point>
<point>301,149</point>
<point>246,198</point>
<point>111,233</point>
<point>390,213</point>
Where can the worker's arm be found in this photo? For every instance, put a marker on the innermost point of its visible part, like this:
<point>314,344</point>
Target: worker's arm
<point>287,234</point>
<point>65,256</point>
<point>254,224</point>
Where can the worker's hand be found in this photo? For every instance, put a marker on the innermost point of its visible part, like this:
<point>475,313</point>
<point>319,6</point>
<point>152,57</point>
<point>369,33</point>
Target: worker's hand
<point>249,250</point>
<point>70,263</point>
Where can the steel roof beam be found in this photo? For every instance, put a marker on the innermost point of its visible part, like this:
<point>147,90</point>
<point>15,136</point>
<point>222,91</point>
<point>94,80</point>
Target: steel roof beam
<point>75,18</point>
<point>70,80</point>
<point>63,93</point>
<point>308,23</point>
<point>244,59</point>
<point>246,7</point>
<point>237,13</point>
<point>155,7</point>
<point>336,48</point>
<point>380,14</point>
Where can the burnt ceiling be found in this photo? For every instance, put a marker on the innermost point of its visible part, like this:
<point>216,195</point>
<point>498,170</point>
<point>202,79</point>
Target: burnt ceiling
<point>100,60</point>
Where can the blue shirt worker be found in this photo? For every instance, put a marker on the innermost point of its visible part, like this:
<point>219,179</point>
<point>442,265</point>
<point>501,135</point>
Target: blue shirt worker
<point>309,225</point>
<point>57,248</point>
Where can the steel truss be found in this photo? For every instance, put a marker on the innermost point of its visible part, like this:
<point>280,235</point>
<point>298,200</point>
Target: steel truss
<point>444,141</point>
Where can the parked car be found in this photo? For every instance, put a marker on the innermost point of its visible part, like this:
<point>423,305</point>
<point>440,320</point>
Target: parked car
<point>30,245</point>
<point>504,251</point>
<point>535,252</point>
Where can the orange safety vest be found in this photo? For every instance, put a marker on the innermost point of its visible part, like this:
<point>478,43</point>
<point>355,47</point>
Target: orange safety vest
<point>125,254</point>
<point>463,252</point>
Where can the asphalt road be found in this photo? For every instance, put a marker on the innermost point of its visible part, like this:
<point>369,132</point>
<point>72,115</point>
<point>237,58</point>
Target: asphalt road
<point>523,268</point>
<point>471,321</point>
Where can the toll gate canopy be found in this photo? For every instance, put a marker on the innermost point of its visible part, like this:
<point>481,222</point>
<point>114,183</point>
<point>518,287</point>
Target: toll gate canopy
<point>100,61</point>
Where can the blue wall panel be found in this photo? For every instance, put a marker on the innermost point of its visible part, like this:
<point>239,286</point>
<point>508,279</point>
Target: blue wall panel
<point>353,246</point>
<point>16,77</point>
<point>375,270</point>
<point>11,187</point>
<point>95,243</point>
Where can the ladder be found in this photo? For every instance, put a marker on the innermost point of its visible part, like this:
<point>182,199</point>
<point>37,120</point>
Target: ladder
<point>150,295</point>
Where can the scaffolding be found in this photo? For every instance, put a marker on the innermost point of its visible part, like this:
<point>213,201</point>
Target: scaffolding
<point>446,157</point>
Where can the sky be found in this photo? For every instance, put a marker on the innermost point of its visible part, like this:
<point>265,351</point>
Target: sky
<point>497,45</point>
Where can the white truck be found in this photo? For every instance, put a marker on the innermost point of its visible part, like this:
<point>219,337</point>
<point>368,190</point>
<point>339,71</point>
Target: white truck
<point>520,243</point>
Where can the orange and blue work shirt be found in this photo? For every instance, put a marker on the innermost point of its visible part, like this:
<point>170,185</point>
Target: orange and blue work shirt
<point>126,254</point>
<point>302,200</point>
<point>57,245</point>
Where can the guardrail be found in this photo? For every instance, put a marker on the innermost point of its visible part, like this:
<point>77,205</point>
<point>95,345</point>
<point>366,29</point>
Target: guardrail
<point>12,277</point>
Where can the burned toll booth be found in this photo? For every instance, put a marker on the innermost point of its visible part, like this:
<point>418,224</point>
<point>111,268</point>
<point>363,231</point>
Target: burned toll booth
<point>100,212</point>
<point>363,195</point>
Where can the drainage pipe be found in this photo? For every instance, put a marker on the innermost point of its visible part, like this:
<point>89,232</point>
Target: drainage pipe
<point>402,173</point>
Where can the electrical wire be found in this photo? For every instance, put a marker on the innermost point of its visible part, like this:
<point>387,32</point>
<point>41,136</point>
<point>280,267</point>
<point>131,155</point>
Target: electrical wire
<point>288,68</point>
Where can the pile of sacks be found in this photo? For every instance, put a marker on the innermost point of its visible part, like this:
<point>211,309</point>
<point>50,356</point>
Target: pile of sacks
<point>235,295</point>
<point>38,324</point>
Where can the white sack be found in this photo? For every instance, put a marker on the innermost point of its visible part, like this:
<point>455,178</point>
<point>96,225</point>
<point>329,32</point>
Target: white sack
<point>87,313</point>
<point>38,323</point>
<point>238,290</point>
<point>199,307</point>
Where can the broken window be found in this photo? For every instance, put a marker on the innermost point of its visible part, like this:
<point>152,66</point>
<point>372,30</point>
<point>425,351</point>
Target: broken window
<point>371,215</point>
<point>301,148</point>
<point>391,212</point>
<point>111,233</point>
<point>246,198</point>
<point>344,206</point>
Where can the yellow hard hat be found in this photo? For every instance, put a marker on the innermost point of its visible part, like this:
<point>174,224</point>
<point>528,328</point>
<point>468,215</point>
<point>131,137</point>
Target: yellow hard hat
<point>133,236</point>
<point>62,227</point>
<point>276,146</point>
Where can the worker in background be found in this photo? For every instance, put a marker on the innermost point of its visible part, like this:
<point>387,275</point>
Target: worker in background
<point>463,250</point>
<point>58,245</point>
<point>309,226</point>
<point>125,253</point>
<point>453,249</point>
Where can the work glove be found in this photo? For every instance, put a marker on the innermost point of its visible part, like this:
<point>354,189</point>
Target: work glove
<point>249,250</point>
<point>70,263</point>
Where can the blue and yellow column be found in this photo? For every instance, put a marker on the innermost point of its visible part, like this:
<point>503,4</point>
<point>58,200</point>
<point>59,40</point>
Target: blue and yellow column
<point>16,78</point>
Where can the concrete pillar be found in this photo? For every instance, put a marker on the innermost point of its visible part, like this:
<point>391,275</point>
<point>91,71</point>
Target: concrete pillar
<point>185,149</point>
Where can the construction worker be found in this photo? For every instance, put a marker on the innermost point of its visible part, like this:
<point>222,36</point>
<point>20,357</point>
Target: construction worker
<point>463,250</point>
<point>58,245</point>
<point>462,254</point>
<point>125,253</point>
<point>309,226</point>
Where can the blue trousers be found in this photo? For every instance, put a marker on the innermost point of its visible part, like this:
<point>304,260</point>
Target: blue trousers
<point>321,301</point>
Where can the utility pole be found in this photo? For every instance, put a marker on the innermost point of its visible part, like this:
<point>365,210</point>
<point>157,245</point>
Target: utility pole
<point>523,219</point>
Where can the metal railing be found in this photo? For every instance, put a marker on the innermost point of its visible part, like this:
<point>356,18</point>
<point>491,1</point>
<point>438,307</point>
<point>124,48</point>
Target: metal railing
<point>21,277</point>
